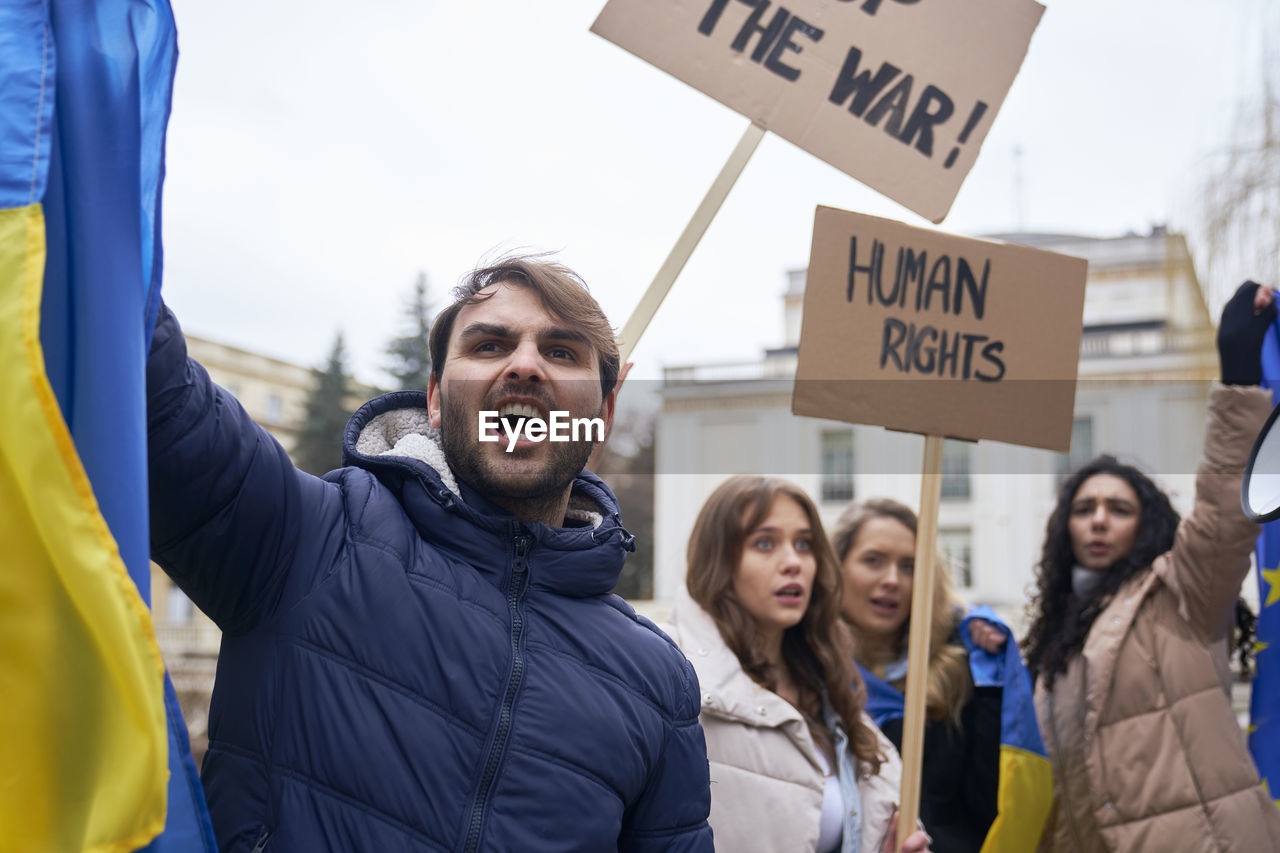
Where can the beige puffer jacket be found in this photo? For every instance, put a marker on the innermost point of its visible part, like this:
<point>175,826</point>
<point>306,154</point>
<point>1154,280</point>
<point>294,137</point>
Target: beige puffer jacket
<point>1147,754</point>
<point>766,776</point>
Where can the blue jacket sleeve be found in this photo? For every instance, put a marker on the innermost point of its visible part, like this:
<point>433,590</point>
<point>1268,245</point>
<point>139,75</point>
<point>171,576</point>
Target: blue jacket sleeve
<point>671,814</point>
<point>230,515</point>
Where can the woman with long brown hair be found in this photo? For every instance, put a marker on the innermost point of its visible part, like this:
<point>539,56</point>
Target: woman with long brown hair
<point>795,763</point>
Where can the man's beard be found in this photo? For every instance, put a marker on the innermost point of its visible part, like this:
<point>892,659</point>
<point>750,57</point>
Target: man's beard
<point>465,455</point>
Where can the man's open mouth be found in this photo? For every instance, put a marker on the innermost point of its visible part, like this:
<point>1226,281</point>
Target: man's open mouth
<point>514,415</point>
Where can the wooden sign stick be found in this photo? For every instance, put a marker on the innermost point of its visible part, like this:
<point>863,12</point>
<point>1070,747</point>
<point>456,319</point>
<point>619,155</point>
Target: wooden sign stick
<point>918,640</point>
<point>679,255</point>
<point>680,252</point>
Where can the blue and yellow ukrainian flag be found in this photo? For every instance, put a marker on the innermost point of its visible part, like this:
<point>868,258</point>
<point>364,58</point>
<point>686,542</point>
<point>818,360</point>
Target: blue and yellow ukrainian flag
<point>1264,711</point>
<point>94,754</point>
<point>1024,792</point>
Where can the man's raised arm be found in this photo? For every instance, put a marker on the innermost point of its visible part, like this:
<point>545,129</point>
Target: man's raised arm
<point>230,514</point>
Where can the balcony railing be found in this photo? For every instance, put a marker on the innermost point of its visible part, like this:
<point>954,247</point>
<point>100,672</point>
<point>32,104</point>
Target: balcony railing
<point>1096,343</point>
<point>184,640</point>
<point>733,371</point>
<point>1121,343</point>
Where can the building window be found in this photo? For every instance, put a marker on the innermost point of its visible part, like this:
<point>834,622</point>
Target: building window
<point>837,465</point>
<point>178,607</point>
<point>1081,450</point>
<point>957,466</point>
<point>956,545</point>
<point>273,408</point>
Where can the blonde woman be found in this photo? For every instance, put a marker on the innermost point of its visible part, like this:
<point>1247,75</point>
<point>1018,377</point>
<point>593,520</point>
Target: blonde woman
<point>875,542</point>
<point>796,764</point>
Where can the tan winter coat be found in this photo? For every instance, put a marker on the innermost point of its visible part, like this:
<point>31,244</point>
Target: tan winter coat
<point>1147,753</point>
<point>766,777</point>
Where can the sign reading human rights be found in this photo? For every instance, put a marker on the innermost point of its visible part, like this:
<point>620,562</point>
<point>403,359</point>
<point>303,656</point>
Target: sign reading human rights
<point>927,332</point>
<point>896,93</point>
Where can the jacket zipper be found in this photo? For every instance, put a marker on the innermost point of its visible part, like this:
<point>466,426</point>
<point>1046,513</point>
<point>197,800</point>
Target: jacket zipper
<point>262,842</point>
<point>515,591</point>
<point>1066,792</point>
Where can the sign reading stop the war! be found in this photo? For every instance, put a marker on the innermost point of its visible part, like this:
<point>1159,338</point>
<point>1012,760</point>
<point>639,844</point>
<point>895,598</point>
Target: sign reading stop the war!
<point>897,93</point>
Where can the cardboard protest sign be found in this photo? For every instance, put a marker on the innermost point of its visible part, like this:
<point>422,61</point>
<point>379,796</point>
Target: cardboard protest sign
<point>896,93</point>
<point>927,332</point>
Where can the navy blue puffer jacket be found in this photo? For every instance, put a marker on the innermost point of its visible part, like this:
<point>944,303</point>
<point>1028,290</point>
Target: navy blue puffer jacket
<point>405,666</point>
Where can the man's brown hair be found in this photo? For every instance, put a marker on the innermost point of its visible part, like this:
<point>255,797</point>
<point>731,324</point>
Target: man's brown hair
<point>562,292</point>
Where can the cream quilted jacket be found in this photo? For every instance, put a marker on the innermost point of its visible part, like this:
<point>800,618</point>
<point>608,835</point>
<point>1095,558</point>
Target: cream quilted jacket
<point>766,777</point>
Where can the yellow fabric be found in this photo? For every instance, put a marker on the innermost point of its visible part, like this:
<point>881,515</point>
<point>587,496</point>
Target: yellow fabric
<point>83,742</point>
<point>1023,800</point>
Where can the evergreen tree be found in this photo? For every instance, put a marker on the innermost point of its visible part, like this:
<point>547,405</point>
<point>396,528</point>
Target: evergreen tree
<point>319,447</point>
<point>410,356</point>
<point>631,477</point>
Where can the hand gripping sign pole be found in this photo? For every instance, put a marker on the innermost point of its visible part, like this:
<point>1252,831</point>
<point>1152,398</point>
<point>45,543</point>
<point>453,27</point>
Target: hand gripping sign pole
<point>918,640</point>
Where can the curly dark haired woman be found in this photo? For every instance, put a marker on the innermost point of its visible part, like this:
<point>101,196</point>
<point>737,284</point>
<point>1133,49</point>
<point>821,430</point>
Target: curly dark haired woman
<point>1128,640</point>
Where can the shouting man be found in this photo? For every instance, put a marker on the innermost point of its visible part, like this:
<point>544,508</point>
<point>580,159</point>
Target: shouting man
<point>420,650</point>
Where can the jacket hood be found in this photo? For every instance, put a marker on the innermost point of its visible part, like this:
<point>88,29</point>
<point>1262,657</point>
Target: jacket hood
<point>391,437</point>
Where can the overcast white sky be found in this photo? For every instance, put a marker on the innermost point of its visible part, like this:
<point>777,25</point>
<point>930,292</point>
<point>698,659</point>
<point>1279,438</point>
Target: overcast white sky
<point>320,155</point>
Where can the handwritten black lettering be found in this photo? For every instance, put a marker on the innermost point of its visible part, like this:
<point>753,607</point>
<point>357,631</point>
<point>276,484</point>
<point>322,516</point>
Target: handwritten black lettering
<point>974,116</point>
<point>752,26</point>
<point>894,103</point>
<point>918,348</point>
<point>969,341</point>
<point>977,292</point>
<point>944,284</point>
<point>889,99</point>
<point>873,6</point>
<point>862,87</point>
<point>872,269</point>
<point>774,61</point>
<point>920,126</point>
<point>892,296</point>
<point>948,356</point>
<point>895,332</point>
<point>775,37</point>
<point>708,23</point>
<point>991,352</point>
<point>899,285</point>
<point>940,282</point>
<point>945,353</point>
<point>913,267</point>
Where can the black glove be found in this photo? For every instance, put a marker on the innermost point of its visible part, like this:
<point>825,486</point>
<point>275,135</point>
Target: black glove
<point>1240,336</point>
